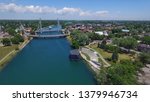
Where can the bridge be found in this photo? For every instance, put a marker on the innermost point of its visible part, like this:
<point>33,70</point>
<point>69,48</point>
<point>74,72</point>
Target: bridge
<point>49,36</point>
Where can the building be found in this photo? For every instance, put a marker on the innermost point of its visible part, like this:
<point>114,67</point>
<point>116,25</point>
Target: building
<point>102,33</point>
<point>147,34</point>
<point>143,47</point>
<point>124,50</point>
<point>125,30</point>
<point>74,54</point>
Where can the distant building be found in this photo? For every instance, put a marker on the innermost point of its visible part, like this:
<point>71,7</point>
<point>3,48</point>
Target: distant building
<point>4,35</point>
<point>143,47</point>
<point>125,30</point>
<point>102,33</point>
<point>124,50</point>
<point>74,54</point>
<point>148,34</point>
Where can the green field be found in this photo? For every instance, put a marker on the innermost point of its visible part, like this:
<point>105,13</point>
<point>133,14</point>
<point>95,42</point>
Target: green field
<point>106,54</point>
<point>6,50</point>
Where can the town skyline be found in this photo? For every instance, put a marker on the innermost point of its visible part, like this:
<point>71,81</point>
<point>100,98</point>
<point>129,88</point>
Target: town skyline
<point>75,10</point>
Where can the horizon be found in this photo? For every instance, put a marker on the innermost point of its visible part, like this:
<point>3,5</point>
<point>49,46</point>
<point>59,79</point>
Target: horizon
<point>70,20</point>
<point>135,10</point>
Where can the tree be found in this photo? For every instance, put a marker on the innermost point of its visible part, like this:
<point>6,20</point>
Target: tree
<point>6,42</point>
<point>19,37</point>
<point>144,57</point>
<point>123,73</point>
<point>75,44</point>
<point>11,31</point>
<point>146,40</point>
<point>15,40</point>
<point>81,38</point>
<point>94,36</point>
<point>129,43</point>
<point>116,31</point>
<point>103,44</point>
<point>115,56</point>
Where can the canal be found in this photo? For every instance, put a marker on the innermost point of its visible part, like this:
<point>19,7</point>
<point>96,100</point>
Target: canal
<point>46,62</point>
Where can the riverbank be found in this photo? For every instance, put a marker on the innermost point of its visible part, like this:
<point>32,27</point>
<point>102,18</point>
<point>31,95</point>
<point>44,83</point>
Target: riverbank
<point>94,69</point>
<point>12,54</point>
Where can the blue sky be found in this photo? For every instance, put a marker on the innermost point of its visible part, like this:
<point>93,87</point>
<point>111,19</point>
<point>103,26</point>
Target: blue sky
<point>75,9</point>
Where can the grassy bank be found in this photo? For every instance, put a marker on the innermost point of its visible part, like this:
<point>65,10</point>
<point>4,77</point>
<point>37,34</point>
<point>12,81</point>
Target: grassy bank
<point>7,59</point>
<point>106,54</point>
<point>8,52</point>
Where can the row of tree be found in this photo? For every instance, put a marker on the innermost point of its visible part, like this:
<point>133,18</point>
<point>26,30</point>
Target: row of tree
<point>123,73</point>
<point>128,42</point>
<point>14,40</point>
<point>81,39</point>
<point>146,40</point>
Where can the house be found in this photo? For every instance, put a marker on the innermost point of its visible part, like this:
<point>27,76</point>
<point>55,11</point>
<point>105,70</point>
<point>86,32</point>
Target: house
<point>125,30</point>
<point>74,54</point>
<point>4,35</point>
<point>124,50</point>
<point>147,34</point>
<point>143,47</point>
<point>101,33</point>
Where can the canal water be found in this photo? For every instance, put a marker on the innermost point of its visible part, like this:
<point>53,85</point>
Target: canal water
<point>46,62</point>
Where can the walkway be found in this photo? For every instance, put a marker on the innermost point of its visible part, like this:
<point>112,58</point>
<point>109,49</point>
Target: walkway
<point>14,51</point>
<point>92,60</point>
<point>101,57</point>
<point>7,56</point>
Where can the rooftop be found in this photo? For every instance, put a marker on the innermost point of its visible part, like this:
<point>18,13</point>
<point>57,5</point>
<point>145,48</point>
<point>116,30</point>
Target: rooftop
<point>74,52</point>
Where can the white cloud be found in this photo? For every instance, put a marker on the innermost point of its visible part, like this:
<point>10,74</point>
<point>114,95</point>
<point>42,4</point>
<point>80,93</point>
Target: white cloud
<point>102,13</point>
<point>85,13</point>
<point>66,10</point>
<point>12,7</point>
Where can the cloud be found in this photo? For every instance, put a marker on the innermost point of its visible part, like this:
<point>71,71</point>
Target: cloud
<point>12,7</point>
<point>85,13</point>
<point>101,13</point>
<point>67,10</point>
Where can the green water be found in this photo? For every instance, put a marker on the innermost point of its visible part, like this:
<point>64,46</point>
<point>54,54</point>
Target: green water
<point>46,62</point>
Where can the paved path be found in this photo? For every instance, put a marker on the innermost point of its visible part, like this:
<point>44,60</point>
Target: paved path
<point>101,57</point>
<point>93,56</point>
<point>7,56</point>
<point>13,51</point>
<point>95,69</point>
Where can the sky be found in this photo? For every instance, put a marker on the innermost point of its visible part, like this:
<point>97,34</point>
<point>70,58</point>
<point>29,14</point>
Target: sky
<point>75,9</point>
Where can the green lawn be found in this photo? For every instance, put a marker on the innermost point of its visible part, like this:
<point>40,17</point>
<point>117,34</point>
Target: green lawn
<point>6,50</point>
<point>106,54</point>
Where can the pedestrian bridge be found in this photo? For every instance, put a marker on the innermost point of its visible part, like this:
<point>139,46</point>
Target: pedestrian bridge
<point>49,36</point>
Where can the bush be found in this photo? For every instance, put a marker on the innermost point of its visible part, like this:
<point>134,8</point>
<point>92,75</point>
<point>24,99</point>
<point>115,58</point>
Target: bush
<point>6,41</point>
<point>111,48</point>
<point>144,58</point>
<point>119,74</point>
<point>17,48</point>
<point>75,44</point>
<point>14,40</point>
<point>115,56</point>
<point>19,37</point>
<point>108,59</point>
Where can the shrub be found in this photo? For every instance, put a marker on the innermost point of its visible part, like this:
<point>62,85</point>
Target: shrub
<point>6,41</point>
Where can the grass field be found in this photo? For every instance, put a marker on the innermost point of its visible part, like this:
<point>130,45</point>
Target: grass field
<point>106,54</point>
<point>6,50</point>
